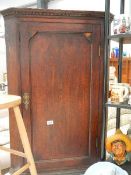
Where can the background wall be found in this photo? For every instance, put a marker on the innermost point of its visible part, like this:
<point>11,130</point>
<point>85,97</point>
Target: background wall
<point>2,50</point>
<point>77,5</point>
<point>93,5</point>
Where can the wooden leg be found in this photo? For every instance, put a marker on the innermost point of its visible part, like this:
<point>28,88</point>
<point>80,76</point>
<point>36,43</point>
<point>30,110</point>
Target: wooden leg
<point>25,140</point>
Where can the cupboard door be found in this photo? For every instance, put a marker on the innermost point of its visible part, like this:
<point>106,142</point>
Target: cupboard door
<point>63,76</point>
<point>60,93</point>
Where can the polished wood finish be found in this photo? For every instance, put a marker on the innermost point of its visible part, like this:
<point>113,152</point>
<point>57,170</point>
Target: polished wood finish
<point>126,68</point>
<point>56,57</point>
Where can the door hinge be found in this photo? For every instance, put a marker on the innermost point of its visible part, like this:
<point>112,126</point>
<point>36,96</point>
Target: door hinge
<point>19,37</point>
<point>99,50</point>
<point>26,100</point>
<point>96,142</point>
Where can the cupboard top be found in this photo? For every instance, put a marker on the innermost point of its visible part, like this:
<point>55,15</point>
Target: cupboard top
<point>29,12</point>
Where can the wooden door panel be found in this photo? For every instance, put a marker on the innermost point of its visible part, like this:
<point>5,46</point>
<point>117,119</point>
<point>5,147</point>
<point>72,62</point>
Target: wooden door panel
<point>60,87</point>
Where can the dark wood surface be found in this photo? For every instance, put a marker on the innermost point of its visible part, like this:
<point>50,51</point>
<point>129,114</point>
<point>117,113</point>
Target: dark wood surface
<point>57,57</point>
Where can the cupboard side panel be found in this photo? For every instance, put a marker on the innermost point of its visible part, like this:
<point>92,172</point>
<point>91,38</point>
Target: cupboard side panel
<point>14,82</point>
<point>96,99</point>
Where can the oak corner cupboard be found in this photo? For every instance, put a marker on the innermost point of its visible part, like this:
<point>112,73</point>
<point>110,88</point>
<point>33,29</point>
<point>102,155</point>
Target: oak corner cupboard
<point>55,62</point>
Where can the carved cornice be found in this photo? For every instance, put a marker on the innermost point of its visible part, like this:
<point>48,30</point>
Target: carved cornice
<point>20,12</point>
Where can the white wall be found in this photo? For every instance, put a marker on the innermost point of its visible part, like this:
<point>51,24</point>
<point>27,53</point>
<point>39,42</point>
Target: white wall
<point>128,7</point>
<point>90,5</point>
<point>2,49</point>
<point>2,55</point>
<point>14,3</point>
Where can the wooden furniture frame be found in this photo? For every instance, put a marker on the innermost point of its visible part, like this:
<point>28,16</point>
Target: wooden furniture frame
<point>56,64</point>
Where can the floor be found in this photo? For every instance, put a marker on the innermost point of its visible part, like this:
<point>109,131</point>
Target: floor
<point>71,172</point>
<point>64,172</point>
